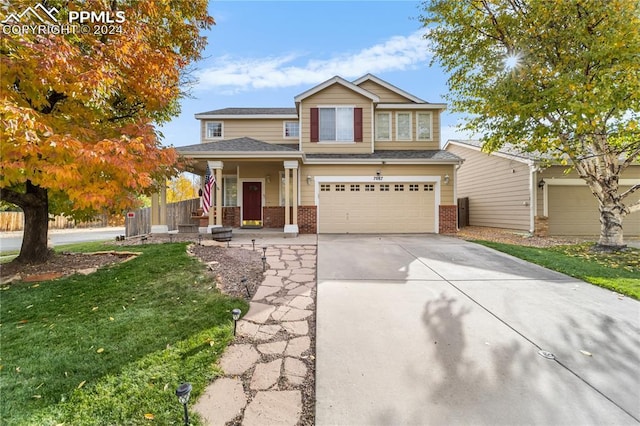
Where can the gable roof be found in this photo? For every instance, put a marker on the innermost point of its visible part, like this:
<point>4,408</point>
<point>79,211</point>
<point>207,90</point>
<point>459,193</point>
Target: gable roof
<point>336,80</point>
<point>249,113</point>
<point>507,150</point>
<point>389,86</point>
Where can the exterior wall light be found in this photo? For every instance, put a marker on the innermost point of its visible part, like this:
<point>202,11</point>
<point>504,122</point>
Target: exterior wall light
<point>541,183</point>
<point>183,392</point>
<point>236,316</point>
<point>308,180</point>
<point>446,179</point>
<point>268,178</point>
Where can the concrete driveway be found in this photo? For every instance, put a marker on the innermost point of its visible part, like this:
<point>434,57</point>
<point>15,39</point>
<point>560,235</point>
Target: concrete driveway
<point>432,330</point>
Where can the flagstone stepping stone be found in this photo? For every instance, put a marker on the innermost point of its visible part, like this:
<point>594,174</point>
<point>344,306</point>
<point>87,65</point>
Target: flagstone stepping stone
<point>300,290</point>
<point>259,312</point>
<point>264,291</point>
<point>286,313</point>
<point>305,271</point>
<point>274,348</point>
<point>296,327</point>
<point>295,370</point>
<point>302,278</point>
<point>297,346</point>
<point>272,281</point>
<point>238,358</point>
<point>267,332</point>
<point>221,402</point>
<point>301,302</point>
<point>246,328</point>
<point>274,408</point>
<point>266,375</point>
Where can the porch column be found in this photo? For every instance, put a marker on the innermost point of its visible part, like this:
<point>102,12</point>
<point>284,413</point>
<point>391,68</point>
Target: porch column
<point>215,213</point>
<point>291,168</point>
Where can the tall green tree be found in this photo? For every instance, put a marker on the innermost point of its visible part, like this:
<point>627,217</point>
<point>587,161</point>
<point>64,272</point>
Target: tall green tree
<point>78,108</point>
<point>560,77</point>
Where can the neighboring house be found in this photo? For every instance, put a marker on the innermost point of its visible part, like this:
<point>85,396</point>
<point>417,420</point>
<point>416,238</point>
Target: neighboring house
<point>510,189</point>
<point>350,157</point>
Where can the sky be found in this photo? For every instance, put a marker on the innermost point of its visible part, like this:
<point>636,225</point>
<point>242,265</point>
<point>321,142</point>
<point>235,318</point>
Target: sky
<point>264,53</point>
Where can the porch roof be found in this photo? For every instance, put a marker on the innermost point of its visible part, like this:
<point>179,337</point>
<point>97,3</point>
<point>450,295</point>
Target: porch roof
<point>239,147</point>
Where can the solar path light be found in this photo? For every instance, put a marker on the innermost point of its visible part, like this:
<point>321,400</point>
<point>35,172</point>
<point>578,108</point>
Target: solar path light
<point>236,316</point>
<point>183,392</point>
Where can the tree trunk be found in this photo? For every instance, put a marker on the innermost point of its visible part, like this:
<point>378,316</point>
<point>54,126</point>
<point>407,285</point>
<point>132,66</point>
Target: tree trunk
<point>35,205</point>
<point>611,231</point>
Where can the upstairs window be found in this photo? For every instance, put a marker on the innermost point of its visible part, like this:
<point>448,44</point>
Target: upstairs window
<point>383,126</point>
<point>403,126</point>
<point>291,129</point>
<point>336,124</point>
<point>423,126</point>
<point>214,129</point>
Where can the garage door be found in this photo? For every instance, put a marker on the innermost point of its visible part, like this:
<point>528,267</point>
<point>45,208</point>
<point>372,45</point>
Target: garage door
<point>346,207</point>
<point>573,210</point>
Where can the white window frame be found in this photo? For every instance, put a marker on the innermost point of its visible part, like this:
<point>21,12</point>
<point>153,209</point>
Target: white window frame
<point>430,121</point>
<point>206,128</point>
<point>335,108</point>
<point>398,114</point>
<point>284,129</point>
<point>378,137</point>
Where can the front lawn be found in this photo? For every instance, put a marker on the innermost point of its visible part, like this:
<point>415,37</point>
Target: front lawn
<point>112,347</point>
<point>618,271</point>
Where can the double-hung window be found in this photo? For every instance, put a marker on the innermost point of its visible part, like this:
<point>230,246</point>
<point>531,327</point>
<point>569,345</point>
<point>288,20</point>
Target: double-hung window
<point>229,191</point>
<point>383,126</point>
<point>336,124</point>
<point>403,126</point>
<point>423,126</point>
<point>291,129</point>
<point>214,129</point>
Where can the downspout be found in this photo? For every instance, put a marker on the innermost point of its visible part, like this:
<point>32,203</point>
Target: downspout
<point>533,194</point>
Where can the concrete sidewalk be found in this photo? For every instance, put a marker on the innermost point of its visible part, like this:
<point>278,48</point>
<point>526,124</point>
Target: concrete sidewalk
<point>431,330</point>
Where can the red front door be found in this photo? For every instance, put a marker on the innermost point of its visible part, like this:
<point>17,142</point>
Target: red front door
<point>251,203</point>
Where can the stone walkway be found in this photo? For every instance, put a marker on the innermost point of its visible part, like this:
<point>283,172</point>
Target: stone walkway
<point>269,369</point>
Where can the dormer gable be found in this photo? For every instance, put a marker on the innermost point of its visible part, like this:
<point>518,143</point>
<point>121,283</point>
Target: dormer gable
<point>336,80</point>
<point>387,92</point>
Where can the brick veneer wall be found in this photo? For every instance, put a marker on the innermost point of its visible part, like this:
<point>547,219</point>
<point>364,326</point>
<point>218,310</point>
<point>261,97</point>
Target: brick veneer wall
<point>231,216</point>
<point>273,217</point>
<point>307,220</point>
<point>448,219</point>
<point>541,224</point>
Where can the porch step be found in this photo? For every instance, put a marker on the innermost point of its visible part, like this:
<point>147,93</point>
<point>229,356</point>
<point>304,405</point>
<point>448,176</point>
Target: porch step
<point>260,233</point>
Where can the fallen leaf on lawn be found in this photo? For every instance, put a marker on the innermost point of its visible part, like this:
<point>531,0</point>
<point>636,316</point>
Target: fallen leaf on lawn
<point>30,306</point>
<point>36,396</point>
<point>110,318</point>
<point>149,416</point>
<point>166,386</point>
<point>23,321</point>
<point>585,353</point>
<point>95,308</point>
<point>100,350</point>
<point>82,384</point>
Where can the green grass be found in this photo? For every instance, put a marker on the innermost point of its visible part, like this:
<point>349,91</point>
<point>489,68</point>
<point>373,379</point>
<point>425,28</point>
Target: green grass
<point>110,347</point>
<point>618,271</point>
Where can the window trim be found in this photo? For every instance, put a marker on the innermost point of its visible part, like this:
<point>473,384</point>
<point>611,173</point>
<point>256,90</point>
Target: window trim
<point>410,114</point>
<point>378,138</point>
<point>224,190</point>
<point>284,129</point>
<point>206,129</point>
<point>353,128</point>
<point>430,115</point>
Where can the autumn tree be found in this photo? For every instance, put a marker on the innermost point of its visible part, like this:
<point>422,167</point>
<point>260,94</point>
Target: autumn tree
<point>78,108</point>
<point>181,188</point>
<point>558,77</point>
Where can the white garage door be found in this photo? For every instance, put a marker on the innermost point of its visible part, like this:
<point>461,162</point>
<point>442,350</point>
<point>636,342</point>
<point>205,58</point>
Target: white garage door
<point>573,210</point>
<point>376,207</point>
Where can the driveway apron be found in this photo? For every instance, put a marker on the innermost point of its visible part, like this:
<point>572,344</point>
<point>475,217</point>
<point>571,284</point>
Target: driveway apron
<point>431,330</point>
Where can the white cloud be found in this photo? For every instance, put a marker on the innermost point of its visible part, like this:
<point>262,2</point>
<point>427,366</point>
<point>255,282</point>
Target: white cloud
<point>234,74</point>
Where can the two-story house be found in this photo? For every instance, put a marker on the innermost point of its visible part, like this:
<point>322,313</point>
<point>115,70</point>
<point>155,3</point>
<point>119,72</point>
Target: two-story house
<point>350,157</point>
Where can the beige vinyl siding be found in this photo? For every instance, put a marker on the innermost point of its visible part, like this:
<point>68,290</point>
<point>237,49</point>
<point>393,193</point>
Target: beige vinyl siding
<point>498,189</point>
<point>307,192</point>
<point>336,95</point>
<point>434,143</point>
<point>266,130</point>
<point>385,95</point>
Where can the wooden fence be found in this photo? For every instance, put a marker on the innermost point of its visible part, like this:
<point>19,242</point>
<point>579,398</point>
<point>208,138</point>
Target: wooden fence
<point>138,222</point>
<point>14,221</point>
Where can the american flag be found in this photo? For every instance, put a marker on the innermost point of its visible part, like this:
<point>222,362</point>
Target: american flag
<point>209,182</point>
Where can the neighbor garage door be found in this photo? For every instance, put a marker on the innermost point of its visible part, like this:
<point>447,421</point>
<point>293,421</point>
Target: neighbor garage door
<point>346,207</point>
<point>573,210</point>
